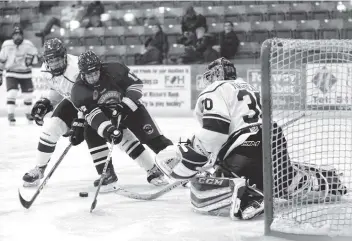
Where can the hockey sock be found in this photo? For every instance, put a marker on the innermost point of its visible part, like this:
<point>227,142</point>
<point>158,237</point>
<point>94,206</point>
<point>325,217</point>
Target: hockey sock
<point>11,101</point>
<point>52,130</point>
<point>99,155</point>
<point>27,102</point>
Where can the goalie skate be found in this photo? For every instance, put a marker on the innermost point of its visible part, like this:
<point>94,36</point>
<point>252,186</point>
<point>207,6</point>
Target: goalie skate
<point>109,183</point>
<point>32,178</point>
<point>156,177</point>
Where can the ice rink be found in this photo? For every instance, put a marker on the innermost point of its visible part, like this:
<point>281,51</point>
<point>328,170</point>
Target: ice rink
<point>60,214</point>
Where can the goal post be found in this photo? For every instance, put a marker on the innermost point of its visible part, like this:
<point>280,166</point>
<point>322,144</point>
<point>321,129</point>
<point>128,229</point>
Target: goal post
<point>307,89</point>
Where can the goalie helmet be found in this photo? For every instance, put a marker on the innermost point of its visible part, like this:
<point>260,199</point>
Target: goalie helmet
<point>89,66</point>
<point>220,69</point>
<point>55,56</point>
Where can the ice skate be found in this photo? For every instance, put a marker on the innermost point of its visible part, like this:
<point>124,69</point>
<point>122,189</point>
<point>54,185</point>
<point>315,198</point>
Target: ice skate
<point>156,177</point>
<point>109,181</point>
<point>32,178</point>
<point>29,118</point>
<point>11,118</point>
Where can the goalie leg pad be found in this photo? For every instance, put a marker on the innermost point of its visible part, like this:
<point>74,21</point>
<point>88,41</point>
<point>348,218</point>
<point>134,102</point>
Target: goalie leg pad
<point>180,162</point>
<point>211,196</point>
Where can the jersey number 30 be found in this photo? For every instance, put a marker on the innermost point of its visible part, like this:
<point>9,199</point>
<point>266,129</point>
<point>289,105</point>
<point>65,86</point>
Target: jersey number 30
<point>253,105</point>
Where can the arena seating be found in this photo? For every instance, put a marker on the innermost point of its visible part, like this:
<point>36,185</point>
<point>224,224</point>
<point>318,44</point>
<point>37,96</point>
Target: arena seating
<point>254,22</point>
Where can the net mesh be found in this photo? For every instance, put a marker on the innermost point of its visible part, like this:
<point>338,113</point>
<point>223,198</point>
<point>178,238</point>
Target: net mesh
<point>311,85</point>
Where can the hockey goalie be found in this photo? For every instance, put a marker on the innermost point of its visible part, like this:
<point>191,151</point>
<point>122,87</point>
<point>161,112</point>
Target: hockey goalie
<point>230,142</point>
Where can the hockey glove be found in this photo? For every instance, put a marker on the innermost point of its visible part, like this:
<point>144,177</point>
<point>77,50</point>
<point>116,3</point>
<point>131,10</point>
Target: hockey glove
<point>77,132</point>
<point>112,134</point>
<point>40,109</point>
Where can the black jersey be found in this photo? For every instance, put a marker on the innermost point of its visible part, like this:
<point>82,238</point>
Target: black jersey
<point>116,85</point>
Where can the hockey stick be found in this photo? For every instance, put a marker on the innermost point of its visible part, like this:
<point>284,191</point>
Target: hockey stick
<point>151,196</point>
<point>102,176</point>
<point>293,120</point>
<point>28,204</point>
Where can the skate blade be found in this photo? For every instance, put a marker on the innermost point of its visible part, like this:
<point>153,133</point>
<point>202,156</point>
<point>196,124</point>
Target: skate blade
<point>108,188</point>
<point>31,184</point>
<point>12,123</point>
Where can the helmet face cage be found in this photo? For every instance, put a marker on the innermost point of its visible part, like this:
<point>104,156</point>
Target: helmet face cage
<point>55,56</point>
<point>92,78</point>
<point>17,35</point>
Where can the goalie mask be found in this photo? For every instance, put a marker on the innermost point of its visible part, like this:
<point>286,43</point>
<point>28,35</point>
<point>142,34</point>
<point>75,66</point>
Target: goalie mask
<point>89,66</point>
<point>220,69</point>
<point>55,56</point>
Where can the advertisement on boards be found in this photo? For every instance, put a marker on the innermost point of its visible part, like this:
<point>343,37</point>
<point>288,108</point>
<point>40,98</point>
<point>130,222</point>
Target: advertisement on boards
<point>167,89</point>
<point>329,87</point>
<point>287,87</point>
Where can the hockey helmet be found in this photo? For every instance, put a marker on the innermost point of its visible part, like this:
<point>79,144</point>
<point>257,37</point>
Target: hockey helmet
<point>55,56</point>
<point>17,35</point>
<point>219,69</point>
<point>89,66</point>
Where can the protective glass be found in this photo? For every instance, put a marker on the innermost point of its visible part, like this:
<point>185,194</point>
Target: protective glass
<point>93,77</point>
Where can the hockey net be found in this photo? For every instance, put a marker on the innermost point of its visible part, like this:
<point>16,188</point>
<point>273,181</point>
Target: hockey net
<point>307,84</point>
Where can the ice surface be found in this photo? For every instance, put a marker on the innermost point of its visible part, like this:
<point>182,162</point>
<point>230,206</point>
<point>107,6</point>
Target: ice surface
<point>60,214</point>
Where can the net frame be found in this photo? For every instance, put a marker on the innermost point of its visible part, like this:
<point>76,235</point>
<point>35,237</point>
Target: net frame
<point>332,50</point>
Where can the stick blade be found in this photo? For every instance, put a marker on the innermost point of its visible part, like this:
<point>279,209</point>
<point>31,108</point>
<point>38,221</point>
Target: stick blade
<point>94,204</point>
<point>24,203</point>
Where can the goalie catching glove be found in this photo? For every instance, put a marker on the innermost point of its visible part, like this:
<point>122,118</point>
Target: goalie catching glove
<point>40,109</point>
<point>314,183</point>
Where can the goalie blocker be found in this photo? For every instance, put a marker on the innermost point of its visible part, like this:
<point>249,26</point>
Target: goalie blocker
<point>235,189</point>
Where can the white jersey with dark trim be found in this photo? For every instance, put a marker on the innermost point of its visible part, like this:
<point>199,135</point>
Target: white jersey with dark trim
<point>60,86</point>
<point>224,108</point>
<point>13,58</point>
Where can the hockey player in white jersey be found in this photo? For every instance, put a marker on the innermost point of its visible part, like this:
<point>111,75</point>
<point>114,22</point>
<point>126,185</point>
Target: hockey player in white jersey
<point>60,71</point>
<point>17,56</point>
<point>229,113</point>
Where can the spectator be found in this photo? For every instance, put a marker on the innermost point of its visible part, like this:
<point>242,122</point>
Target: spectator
<point>188,39</point>
<point>191,21</point>
<point>159,40</point>
<point>228,41</point>
<point>94,20</point>
<point>152,55</point>
<point>94,8</point>
<point>69,13</point>
<point>205,46</point>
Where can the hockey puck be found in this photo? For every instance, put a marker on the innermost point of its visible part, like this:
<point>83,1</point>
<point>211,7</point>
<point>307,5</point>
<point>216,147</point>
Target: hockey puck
<point>83,194</point>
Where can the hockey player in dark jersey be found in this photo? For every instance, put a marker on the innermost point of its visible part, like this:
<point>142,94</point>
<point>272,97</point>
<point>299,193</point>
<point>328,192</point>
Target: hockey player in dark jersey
<point>230,139</point>
<point>104,88</point>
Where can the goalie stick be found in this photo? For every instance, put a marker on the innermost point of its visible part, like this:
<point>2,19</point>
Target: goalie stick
<point>28,204</point>
<point>151,196</point>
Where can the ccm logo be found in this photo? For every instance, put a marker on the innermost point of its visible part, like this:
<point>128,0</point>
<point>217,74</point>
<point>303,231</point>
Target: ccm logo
<point>211,181</point>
